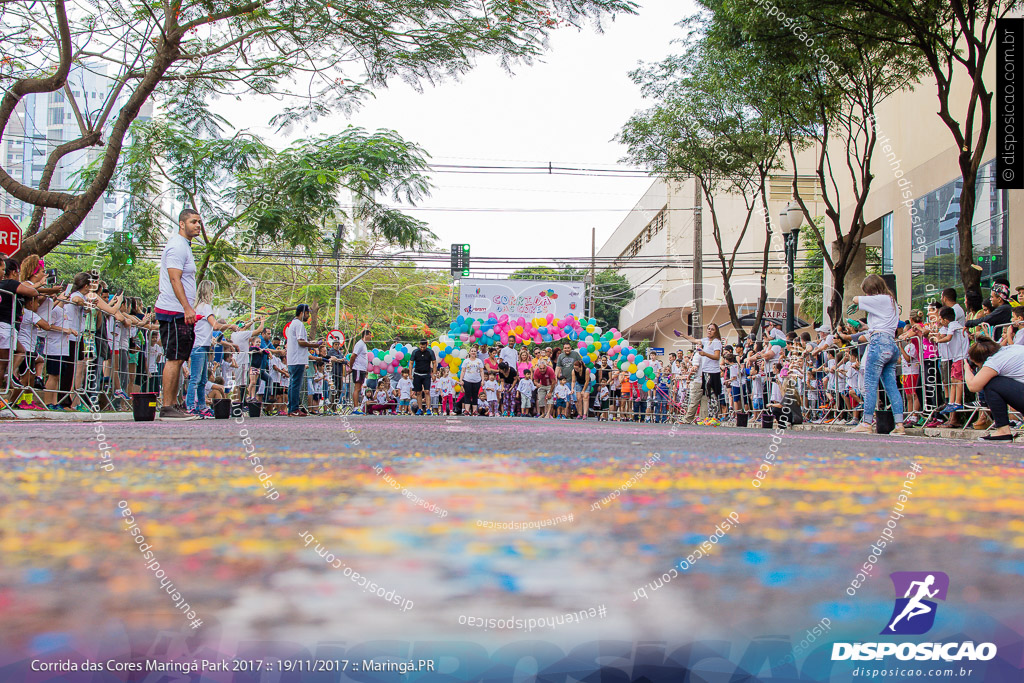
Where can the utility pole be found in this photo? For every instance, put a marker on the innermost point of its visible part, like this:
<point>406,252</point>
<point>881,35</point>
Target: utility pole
<point>593,268</point>
<point>698,262</point>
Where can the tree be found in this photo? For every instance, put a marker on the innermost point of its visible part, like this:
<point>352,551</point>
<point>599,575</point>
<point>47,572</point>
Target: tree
<point>827,98</point>
<point>708,124</point>
<point>252,196</point>
<point>808,277</point>
<point>953,39</point>
<point>317,56</point>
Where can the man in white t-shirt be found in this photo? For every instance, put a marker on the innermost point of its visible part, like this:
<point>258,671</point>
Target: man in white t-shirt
<point>508,354</point>
<point>297,356</point>
<point>174,312</point>
<point>359,362</point>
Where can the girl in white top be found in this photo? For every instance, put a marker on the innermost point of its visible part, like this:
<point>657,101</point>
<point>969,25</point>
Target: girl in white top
<point>709,351</point>
<point>882,353</point>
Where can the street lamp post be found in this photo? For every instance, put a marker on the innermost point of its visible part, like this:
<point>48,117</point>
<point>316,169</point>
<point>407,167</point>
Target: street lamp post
<point>790,220</point>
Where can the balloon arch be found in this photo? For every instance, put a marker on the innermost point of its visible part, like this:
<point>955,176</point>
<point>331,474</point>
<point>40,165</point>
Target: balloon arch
<point>591,341</point>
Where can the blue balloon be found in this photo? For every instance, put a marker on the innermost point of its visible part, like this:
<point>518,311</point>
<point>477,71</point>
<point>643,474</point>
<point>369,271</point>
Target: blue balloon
<point>605,346</point>
<point>543,330</point>
<point>461,319</point>
<point>632,377</point>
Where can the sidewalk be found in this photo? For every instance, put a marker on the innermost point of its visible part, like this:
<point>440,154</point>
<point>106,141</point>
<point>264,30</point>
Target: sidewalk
<point>63,416</point>
<point>936,432</point>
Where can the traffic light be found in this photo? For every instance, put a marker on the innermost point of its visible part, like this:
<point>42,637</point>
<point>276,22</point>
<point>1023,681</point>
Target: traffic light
<point>460,260</point>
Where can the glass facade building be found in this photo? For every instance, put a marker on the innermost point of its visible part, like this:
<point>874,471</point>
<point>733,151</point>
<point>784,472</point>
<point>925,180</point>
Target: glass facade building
<point>935,244</point>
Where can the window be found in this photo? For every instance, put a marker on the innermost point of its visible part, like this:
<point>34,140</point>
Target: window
<point>935,243</point>
<point>780,188</point>
<point>656,225</point>
<point>887,243</point>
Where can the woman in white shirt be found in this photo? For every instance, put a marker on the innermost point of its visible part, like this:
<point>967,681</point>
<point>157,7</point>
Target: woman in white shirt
<point>882,355</point>
<point>471,372</point>
<point>710,353</point>
<point>1001,378</point>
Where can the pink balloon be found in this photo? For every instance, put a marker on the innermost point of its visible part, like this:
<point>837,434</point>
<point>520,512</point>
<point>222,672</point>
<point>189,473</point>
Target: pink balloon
<point>478,334</point>
<point>464,337</point>
<point>631,357</point>
<point>399,355</point>
<point>476,324</point>
<point>551,316</point>
<point>581,345</point>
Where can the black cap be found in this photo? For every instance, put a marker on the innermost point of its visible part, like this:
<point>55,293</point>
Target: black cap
<point>301,308</point>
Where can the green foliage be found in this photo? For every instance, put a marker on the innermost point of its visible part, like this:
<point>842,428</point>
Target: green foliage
<point>396,302</point>
<point>254,197</point>
<point>141,279</point>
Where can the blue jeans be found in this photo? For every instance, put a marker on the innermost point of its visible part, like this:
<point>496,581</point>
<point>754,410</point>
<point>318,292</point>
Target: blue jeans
<point>297,376</point>
<point>880,361</point>
<point>195,397</point>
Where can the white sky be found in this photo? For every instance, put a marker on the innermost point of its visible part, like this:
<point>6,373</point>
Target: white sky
<point>567,107</point>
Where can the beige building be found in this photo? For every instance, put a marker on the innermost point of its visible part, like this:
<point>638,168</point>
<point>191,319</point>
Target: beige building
<point>654,248</point>
<point>911,213</point>
<point>913,206</point>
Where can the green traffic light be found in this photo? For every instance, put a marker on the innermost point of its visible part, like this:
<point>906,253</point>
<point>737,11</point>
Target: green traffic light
<point>465,271</point>
<point>465,247</point>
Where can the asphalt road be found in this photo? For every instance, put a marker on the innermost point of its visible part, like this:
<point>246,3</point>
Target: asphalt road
<point>410,504</point>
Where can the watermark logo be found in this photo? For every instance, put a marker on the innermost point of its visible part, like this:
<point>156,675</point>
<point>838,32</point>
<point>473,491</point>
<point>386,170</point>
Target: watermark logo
<point>914,612</point>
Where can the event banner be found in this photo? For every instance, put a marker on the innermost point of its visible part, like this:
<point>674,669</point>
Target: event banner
<point>528,298</point>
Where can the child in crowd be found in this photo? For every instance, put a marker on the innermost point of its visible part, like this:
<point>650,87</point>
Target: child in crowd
<point>603,398</point>
<point>526,388</point>
<point>491,389</point>
<point>404,393</point>
<point>446,387</point>
<point>953,337</point>
<point>316,387</point>
<point>639,400</point>
<point>561,399</point>
<point>626,400</point>
<point>435,392</point>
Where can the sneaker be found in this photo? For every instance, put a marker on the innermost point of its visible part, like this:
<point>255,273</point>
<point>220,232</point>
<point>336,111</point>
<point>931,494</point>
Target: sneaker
<point>82,408</point>
<point>297,413</point>
<point>933,423</point>
<point>898,430</point>
<point>853,423</point>
<point>862,428</point>
<point>122,395</point>
<point>206,414</point>
<point>175,414</point>
<point>419,412</point>
<point>356,412</point>
<point>950,408</point>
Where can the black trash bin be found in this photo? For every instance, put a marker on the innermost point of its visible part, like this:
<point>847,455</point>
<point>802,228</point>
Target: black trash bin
<point>884,422</point>
<point>144,407</point>
<point>741,419</point>
<point>222,408</point>
<point>255,408</point>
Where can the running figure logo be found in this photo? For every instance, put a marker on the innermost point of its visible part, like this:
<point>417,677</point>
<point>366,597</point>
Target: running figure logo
<point>914,613</point>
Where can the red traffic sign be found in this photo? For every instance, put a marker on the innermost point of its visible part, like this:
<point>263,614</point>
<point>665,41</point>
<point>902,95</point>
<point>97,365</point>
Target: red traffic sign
<point>10,236</point>
<point>336,336</point>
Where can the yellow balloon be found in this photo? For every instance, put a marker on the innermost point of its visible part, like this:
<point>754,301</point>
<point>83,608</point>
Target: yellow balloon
<point>632,367</point>
<point>458,388</point>
<point>526,342</point>
<point>519,329</point>
<point>650,384</point>
<point>590,328</point>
